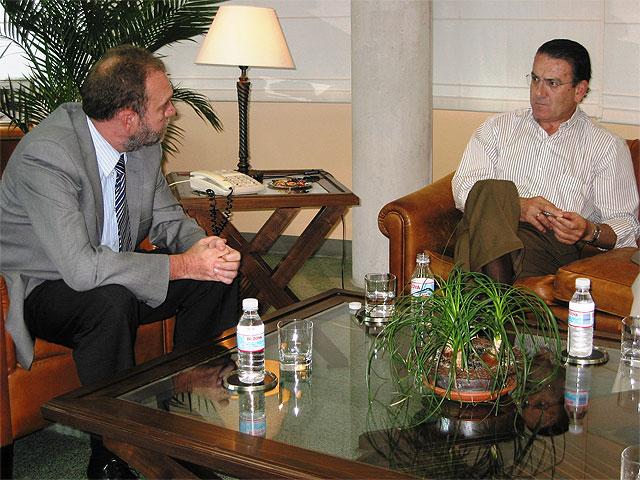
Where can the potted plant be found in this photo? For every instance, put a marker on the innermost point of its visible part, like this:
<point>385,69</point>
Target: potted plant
<point>62,39</point>
<point>472,341</point>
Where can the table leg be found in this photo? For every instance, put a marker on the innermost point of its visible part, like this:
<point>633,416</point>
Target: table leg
<point>151,464</point>
<point>307,243</point>
<point>269,285</point>
<point>258,272</point>
<point>272,229</point>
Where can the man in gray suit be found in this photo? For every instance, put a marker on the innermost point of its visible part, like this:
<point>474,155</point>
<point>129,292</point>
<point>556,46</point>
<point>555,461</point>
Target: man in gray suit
<point>70,256</point>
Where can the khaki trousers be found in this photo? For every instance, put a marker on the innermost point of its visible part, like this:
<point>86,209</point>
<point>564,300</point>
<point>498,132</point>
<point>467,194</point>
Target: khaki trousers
<point>491,228</point>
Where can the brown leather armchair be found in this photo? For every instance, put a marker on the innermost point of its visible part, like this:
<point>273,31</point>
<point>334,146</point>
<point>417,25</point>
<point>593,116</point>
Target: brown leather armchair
<point>424,221</point>
<point>52,373</point>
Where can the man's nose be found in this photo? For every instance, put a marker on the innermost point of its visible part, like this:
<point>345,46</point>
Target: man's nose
<point>171,111</point>
<point>540,89</point>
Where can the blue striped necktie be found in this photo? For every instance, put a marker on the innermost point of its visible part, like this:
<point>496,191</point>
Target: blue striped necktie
<point>122,209</point>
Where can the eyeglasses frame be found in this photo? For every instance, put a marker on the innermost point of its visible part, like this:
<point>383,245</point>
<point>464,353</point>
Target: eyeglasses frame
<point>546,81</point>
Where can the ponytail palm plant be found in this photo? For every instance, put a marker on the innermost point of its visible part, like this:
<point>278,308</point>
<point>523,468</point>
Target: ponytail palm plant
<point>62,39</point>
<point>472,341</point>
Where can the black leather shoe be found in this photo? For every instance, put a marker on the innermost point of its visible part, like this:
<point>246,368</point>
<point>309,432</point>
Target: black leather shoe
<point>101,468</point>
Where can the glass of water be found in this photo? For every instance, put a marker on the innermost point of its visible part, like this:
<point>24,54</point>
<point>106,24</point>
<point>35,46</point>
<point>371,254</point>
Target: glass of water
<point>380,294</point>
<point>630,463</point>
<point>296,344</point>
<point>630,341</point>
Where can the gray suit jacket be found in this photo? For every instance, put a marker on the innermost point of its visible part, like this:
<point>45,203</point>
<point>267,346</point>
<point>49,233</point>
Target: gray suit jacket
<point>51,218</point>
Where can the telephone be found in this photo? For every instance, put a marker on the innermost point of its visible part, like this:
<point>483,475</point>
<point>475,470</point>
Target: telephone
<point>223,182</point>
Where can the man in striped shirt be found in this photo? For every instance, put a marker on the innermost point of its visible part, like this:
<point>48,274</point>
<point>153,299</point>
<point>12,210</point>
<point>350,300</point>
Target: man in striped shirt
<point>534,185</point>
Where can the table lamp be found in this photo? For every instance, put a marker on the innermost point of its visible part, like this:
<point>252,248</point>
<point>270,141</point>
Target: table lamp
<point>246,37</point>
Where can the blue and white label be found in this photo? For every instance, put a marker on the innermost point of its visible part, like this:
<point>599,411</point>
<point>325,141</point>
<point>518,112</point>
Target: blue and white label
<point>576,398</point>
<point>422,287</point>
<point>581,315</point>
<point>257,428</point>
<point>250,338</point>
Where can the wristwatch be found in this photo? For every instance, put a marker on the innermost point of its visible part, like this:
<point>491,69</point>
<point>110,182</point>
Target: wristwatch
<point>596,235</point>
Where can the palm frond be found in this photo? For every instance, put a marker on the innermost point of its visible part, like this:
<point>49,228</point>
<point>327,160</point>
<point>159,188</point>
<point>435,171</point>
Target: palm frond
<point>62,39</point>
<point>199,103</point>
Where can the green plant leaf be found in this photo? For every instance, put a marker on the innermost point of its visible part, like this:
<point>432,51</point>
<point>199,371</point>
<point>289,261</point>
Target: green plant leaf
<point>62,39</point>
<point>465,308</point>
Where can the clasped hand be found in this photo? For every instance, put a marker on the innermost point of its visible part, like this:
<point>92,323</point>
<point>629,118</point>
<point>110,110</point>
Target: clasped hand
<point>567,227</point>
<point>208,259</point>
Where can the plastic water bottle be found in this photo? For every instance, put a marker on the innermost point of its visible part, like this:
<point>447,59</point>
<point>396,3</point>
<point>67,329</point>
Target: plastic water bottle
<point>422,281</point>
<point>577,387</point>
<point>581,319</point>
<point>250,339</point>
<point>252,414</point>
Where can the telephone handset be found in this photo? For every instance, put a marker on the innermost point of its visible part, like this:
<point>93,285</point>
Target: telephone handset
<point>223,182</point>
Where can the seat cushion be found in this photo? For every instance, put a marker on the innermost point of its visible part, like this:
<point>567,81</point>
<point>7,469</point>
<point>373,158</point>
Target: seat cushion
<point>611,274</point>
<point>541,286</point>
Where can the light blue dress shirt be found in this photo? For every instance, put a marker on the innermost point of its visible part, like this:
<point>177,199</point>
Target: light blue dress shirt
<point>107,157</point>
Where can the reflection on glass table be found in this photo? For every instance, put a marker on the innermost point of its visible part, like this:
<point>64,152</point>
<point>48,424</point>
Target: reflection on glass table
<point>329,409</point>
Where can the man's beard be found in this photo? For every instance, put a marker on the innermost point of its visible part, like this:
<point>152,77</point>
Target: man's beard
<point>144,137</point>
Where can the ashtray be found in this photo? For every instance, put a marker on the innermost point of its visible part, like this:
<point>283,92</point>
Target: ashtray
<point>289,183</point>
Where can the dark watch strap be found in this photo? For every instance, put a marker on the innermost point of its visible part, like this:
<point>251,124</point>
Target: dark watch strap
<point>596,235</point>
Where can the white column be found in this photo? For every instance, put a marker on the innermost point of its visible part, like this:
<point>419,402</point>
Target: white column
<point>391,116</point>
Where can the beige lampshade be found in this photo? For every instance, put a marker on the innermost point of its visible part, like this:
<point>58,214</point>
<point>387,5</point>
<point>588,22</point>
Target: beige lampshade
<point>245,36</point>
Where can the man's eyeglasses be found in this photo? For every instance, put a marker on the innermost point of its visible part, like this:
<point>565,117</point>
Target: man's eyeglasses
<point>550,83</point>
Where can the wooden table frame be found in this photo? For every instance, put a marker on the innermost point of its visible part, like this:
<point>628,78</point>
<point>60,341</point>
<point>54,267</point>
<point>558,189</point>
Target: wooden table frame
<point>164,445</point>
<point>161,444</point>
<point>259,280</point>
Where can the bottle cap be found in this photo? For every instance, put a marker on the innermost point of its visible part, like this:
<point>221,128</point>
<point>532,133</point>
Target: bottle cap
<point>355,305</point>
<point>583,283</point>
<point>250,304</point>
<point>576,428</point>
<point>423,258</point>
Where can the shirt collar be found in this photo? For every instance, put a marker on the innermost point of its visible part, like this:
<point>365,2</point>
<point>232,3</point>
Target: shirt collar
<point>106,155</point>
<point>577,116</point>
<point>574,118</point>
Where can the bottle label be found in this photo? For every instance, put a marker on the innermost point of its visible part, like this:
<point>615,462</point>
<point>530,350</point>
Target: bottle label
<point>576,399</point>
<point>257,428</point>
<point>422,287</point>
<point>250,338</point>
<point>581,315</point>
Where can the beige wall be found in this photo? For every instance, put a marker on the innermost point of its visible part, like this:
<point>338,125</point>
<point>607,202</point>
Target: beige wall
<point>281,135</point>
<point>311,135</point>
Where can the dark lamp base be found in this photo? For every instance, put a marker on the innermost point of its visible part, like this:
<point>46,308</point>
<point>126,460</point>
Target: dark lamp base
<point>258,175</point>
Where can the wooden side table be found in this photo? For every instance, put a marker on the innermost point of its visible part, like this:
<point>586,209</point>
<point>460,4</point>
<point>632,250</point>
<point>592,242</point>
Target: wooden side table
<point>259,280</point>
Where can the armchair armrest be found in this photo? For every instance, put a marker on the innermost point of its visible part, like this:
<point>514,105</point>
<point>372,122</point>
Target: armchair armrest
<point>423,220</point>
<point>612,275</point>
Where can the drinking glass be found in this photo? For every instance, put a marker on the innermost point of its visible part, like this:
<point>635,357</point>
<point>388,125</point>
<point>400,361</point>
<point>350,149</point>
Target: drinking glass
<point>295,344</point>
<point>630,341</point>
<point>380,293</point>
<point>630,463</point>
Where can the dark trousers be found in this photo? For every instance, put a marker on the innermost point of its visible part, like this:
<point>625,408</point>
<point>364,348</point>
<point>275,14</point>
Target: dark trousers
<point>100,325</point>
<point>491,228</point>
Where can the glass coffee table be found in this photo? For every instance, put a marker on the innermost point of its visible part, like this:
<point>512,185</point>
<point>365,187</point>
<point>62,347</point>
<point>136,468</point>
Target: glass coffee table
<point>173,418</point>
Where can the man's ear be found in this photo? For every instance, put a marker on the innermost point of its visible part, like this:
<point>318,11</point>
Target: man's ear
<point>129,120</point>
<point>581,90</point>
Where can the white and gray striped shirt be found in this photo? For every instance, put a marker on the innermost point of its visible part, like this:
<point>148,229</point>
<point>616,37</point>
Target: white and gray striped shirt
<point>581,168</point>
